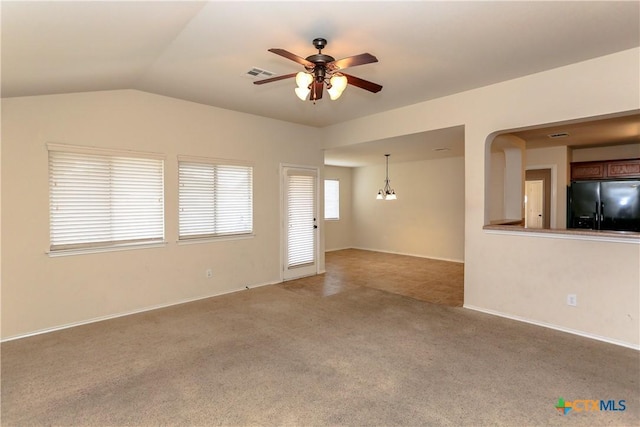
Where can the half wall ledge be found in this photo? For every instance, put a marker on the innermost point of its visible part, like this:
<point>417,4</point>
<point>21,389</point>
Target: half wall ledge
<point>575,234</point>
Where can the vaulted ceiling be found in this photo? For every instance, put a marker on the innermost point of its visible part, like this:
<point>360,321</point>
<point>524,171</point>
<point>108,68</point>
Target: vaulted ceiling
<point>201,51</point>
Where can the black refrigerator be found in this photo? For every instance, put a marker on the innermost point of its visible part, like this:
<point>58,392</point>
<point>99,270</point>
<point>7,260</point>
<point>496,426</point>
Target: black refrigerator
<point>604,205</point>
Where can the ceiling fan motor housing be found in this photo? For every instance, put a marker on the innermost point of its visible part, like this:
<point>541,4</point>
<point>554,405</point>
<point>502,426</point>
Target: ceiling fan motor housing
<point>319,60</point>
<point>319,43</point>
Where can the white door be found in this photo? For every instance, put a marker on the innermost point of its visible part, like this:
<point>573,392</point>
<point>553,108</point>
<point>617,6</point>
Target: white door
<point>300,231</point>
<point>534,204</point>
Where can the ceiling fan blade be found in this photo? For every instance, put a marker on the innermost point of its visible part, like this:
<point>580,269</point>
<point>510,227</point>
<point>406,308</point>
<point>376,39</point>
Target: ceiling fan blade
<point>293,57</point>
<point>274,79</point>
<point>352,61</point>
<point>364,84</point>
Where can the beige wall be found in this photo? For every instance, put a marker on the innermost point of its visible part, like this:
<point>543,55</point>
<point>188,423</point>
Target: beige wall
<point>427,220</point>
<point>517,275</point>
<point>39,292</point>
<point>521,275</point>
<point>614,152</point>
<point>556,159</point>
<point>338,234</point>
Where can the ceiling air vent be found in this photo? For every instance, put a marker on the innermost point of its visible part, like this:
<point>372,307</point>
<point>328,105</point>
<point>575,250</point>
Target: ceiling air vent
<point>256,72</point>
<point>558,135</point>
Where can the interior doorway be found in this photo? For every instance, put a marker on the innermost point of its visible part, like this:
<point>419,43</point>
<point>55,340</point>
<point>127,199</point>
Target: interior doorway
<point>534,204</point>
<point>538,198</point>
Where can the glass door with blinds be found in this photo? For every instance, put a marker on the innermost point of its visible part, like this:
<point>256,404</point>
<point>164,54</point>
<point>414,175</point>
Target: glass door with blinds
<point>300,233</point>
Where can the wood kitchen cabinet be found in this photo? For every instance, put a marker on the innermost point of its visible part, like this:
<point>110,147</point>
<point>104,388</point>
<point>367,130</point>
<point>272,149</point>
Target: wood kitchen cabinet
<point>624,169</point>
<point>587,170</point>
<point>614,169</point>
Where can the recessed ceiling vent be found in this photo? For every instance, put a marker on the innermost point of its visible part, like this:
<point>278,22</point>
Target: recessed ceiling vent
<point>558,135</point>
<point>256,72</point>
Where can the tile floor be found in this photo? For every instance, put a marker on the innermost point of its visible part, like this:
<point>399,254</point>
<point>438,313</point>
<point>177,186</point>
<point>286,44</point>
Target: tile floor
<point>435,281</point>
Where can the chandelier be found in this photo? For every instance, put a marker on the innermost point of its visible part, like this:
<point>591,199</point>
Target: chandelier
<point>387,193</point>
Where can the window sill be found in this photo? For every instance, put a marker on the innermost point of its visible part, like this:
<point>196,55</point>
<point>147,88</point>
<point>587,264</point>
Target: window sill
<point>97,250</point>
<point>570,234</point>
<point>215,239</point>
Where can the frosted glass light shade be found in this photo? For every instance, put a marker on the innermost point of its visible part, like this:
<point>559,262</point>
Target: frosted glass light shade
<point>334,93</point>
<point>302,93</point>
<point>303,80</point>
<point>338,83</point>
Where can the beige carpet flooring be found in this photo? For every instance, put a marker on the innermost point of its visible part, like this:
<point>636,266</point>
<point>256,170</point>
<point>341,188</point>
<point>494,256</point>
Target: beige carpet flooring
<point>279,356</point>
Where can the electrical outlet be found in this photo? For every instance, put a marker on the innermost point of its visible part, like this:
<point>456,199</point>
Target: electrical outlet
<point>209,273</point>
<point>572,300</point>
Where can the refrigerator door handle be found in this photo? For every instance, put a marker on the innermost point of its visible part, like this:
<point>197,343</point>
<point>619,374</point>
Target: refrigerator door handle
<point>596,219</point>
<point>601,212</point>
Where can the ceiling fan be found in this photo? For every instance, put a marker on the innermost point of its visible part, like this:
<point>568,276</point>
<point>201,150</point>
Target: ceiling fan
<point>323,70</point>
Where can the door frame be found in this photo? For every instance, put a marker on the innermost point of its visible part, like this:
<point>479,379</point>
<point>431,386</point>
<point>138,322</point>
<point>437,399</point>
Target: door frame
<point>283,227</point>
<point>553,194</point>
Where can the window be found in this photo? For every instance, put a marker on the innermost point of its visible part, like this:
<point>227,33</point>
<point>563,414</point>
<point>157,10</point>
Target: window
<point>214,199</point>
<point>101,198</point>
<point>331,199</point>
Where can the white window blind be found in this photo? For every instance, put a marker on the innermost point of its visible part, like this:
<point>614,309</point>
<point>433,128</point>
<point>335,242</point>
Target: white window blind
<point>214,199</point>
<point>101,200</point>
<point>331,199</point>
<point>301,220</point>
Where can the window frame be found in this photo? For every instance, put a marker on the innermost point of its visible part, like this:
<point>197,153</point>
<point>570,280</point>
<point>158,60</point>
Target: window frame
<point>114,158</point>
<point>215,163</point>
<point>337,218</point>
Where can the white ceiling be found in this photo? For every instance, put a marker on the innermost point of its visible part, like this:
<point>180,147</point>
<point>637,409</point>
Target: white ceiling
<point>201,51</point>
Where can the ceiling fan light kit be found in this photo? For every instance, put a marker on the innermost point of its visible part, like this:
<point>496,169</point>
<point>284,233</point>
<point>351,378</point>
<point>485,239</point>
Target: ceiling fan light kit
<point>323,70</point>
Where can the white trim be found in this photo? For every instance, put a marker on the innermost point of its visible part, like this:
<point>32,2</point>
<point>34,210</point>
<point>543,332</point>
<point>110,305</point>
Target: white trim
<point>129,313</point>
<point>338,249</point>
<point>552,326</point>
<point>214,161</point>
<point>80,149</point>
<point>100,249</point>
<point>559,235</point>
<point>408,254</point>
<point>196,240</point>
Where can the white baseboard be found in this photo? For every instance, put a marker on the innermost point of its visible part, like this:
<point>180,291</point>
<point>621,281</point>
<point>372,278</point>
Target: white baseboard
<point>551,326</point>
<point>337,249</point>
<point>409,254</point>
<point>128,313</point>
